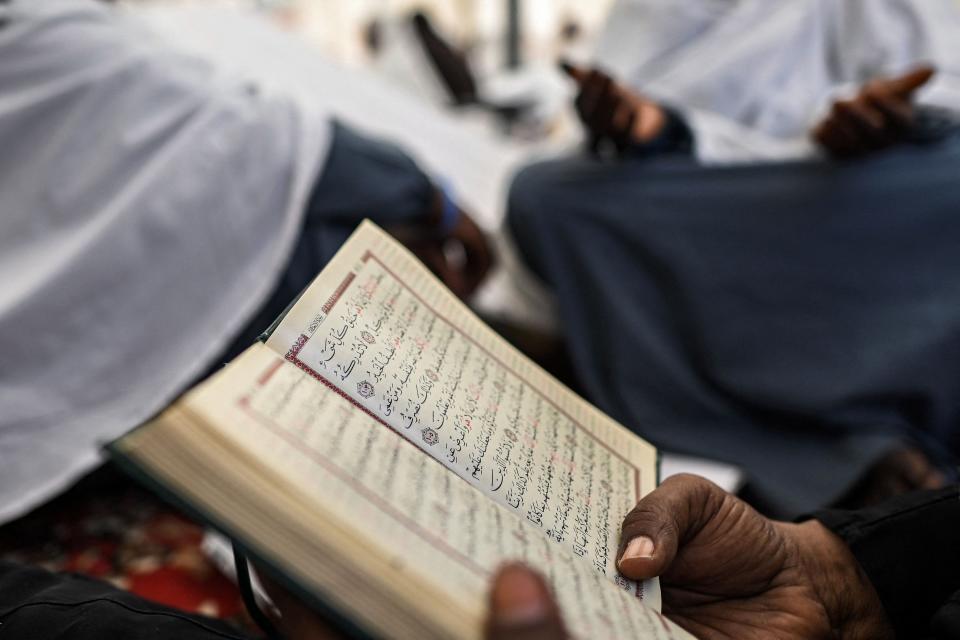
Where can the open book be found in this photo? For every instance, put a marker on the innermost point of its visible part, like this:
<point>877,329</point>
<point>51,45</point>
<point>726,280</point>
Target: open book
<point>383,452</point>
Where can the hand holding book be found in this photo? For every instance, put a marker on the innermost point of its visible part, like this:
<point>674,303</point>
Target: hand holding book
<point>727,573</point>
<point>384,452</point>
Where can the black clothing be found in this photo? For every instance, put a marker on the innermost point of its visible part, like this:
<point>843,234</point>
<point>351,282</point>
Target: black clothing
<point>909,547</point>
<point>38,605</point>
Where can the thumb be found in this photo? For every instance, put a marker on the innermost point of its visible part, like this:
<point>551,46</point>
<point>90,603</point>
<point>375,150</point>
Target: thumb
<point>522,607</point>
<point>672,513</point>
<point>905,85</point>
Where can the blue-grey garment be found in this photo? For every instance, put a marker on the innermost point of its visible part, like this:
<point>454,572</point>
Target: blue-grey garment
<point>799,320</point>
<point>362,178</point>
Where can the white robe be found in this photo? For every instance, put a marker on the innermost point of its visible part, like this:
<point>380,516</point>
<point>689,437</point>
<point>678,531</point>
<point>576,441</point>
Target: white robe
<point>753,77</point>
<point>147,208</point>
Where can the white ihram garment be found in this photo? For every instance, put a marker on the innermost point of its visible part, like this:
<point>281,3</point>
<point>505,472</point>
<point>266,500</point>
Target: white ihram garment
<point>752,77</point>
<point>147,207</point>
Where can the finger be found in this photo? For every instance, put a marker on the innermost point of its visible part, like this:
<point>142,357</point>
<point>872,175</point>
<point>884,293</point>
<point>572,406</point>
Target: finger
<point>825,136</point>
<point>897,112</point>
<point>591,90</point>
<point>918,472</point>
<point>821,135</point>
<point>479,258</point>
<point>849,130</point>
<point>833,136</point>
<point>577,73</point>
<point>588,91</point>
<point>456,281</point>
<point>890,487</point>
<point>477,249</point>
<point>673,512</point>
<point>867,123</point>
<point>459,255</point>
<point>599,108</point>
<point>625,121</point>
<point>601,120</point>
<point>522,607</point>
<point>934,480</point>
<point>904,86</point>
<point>433,257</point>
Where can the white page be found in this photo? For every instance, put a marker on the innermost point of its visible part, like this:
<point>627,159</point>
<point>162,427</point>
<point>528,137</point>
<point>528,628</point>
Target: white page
<point>380,328</point>
<point>415,522</point>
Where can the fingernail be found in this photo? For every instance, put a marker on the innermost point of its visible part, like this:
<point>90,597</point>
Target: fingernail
<point>519,599</point>
<point>638,548</point>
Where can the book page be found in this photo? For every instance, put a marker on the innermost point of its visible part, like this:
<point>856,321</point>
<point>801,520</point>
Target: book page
<point>415,522</point>
<point>380,329</point>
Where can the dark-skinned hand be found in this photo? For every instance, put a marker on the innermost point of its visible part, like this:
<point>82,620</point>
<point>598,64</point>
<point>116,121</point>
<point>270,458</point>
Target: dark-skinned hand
<point>611,113</point>
<point>726,573</point>
<point>460,257</point>
<point>879,116</point>
<point>521,608</point>
<point>900,471</point>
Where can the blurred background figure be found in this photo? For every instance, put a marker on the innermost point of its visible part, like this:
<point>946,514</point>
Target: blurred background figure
<point>752,79</point>
<point>783,312</point>
<point>157,217</point>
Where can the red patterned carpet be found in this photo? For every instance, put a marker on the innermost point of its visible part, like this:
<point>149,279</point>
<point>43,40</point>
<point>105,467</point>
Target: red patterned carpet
<point>108,528</point>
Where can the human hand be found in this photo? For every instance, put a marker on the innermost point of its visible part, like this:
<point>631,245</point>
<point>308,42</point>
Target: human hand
<point>728,572</point>
<point>900,471</point>
<point>877,117</point>
<point>611,112</point>
<point>521,608</point>
<point>460,255</point>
